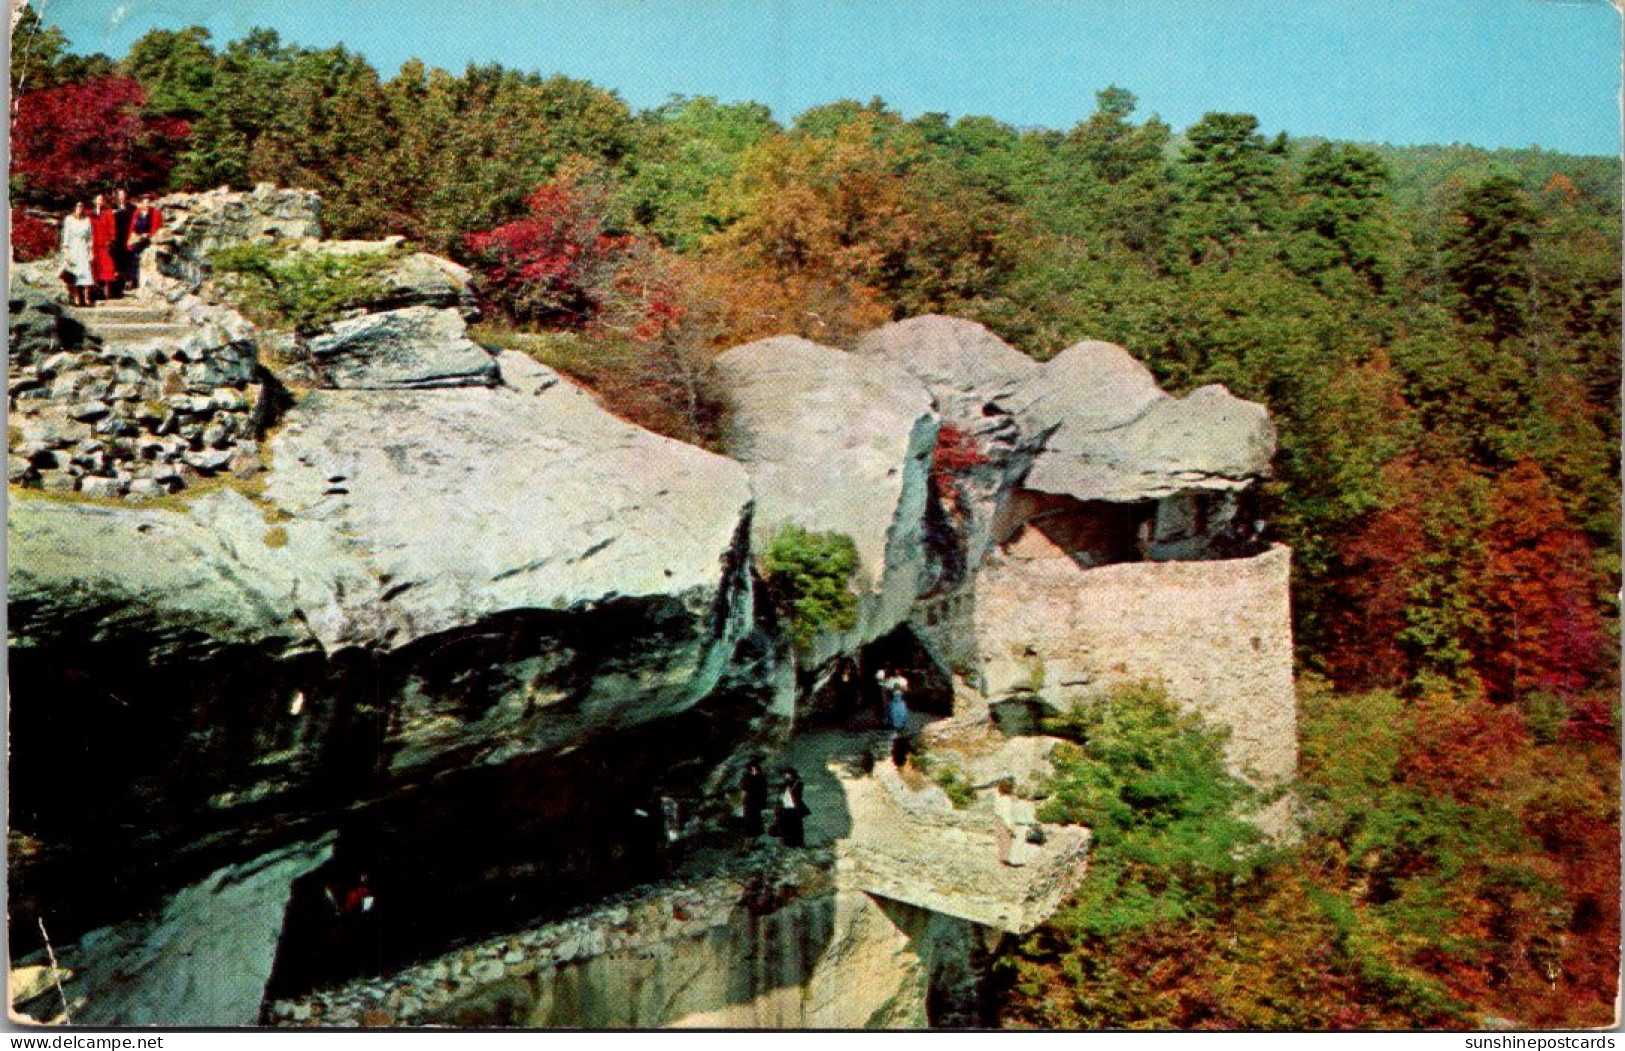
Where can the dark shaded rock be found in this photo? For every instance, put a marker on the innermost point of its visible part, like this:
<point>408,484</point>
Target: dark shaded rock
<point>412,348</point>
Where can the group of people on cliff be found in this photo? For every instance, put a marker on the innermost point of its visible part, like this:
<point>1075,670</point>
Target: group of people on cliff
<point>789,811</point>
<point>102,246</point>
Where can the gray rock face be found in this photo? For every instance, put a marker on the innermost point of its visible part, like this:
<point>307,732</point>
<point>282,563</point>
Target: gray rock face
<point>202,960</point>
<point>38,327</point>
<point>196,224</point>
<point>416,347</point>
<point>1092,386</point>
<point>837,442</point>
<point>547,501</point>
<point>967,369</point>
<point>433,583</point>
<point>971,374</point>
<point>1112,434</point>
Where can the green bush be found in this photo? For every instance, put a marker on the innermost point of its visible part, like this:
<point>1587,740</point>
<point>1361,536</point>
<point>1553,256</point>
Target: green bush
<point>810,575</point>
<point>1169,819</point>
<point>282,283</point>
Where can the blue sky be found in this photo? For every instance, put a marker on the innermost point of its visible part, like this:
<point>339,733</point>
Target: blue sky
<point>1487,72</point>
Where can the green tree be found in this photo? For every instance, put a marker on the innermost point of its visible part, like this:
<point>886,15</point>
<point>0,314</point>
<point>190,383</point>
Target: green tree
<point>176,67</point>
<point>1229,179</point>
<point>1487,256</point>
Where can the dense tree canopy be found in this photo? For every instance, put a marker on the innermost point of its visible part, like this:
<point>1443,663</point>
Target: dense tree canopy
<point>1436,331</point>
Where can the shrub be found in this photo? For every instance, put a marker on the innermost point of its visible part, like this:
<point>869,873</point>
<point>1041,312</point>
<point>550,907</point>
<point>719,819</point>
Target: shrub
<point>31,237</point>
<point>810,575</point>
<point>956,453</point>
<point>287,284</point>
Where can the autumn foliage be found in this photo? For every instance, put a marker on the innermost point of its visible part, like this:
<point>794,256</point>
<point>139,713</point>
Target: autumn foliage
<point>76,140</point>
<point>31,236</point>
<point>559,264</point>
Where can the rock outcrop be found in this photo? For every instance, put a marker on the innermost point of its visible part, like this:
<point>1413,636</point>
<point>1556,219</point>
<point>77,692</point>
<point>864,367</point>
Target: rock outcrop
<point>972,375</point>
<point>837,442</point>
<point>414,347</point>
<point>197,224</point>
<point>1113,435</point>
<point>440,618</point>
<point>765,942</point>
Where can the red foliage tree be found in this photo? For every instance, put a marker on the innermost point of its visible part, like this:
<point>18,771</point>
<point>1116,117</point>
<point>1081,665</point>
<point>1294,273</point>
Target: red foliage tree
<point>1538,590</point>
<point>76,140</point>
<point>559,265</point>
<point>31,236</point>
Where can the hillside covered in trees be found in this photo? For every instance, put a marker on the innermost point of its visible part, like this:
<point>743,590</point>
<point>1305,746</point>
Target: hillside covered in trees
<point>1436,331</point>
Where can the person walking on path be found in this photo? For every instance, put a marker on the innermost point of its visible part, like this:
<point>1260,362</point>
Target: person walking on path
<point>102,230</point>
<point>76,252</point>
<point>792,810</point>
<point>754,787</point>
<point>123,219</point>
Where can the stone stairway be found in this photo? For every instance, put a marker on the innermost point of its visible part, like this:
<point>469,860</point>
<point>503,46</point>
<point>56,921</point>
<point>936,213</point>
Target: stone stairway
<point>134,319</point>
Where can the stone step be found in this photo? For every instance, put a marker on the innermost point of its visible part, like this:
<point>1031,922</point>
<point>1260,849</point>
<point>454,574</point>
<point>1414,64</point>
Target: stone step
<point>121,315</point>
<point>138,332</point>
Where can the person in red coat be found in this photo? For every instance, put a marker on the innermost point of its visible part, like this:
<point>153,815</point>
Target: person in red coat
<point>103,228</point>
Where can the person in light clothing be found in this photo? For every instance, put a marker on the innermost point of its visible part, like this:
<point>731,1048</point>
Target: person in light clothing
<point>76,256</point>
<point>1017,818</point>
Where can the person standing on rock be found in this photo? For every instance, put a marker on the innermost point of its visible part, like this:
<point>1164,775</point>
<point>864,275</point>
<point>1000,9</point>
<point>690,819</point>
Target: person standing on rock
<point>123,219</point>
<point>148,220</point>
<point>103,227</point>
<point>76,252</point>
<point>792,810</point>
<point>753,785</point>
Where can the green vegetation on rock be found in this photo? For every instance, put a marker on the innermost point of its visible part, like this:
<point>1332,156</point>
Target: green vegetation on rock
<point>810,575</point>
<point>288,285</point>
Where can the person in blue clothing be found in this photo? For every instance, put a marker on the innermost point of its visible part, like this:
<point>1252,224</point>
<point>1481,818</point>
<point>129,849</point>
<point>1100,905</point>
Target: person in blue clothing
<point>896,688</point>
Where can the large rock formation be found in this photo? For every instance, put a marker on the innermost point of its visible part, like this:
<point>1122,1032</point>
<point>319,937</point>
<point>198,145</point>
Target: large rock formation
<point>431,613</point>
<point>971,374</point>
<point>1113,435</point>
<point>764,943</point>
<point>197,224</point>
<point>842,443</point>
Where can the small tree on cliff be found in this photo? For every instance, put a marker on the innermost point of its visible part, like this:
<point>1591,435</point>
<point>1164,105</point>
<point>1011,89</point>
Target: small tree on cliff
<point>810,575</point>
<point>76,140</point>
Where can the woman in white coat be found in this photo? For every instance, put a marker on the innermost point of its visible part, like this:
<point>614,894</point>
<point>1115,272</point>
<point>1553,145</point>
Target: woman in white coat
<point>76,256</point>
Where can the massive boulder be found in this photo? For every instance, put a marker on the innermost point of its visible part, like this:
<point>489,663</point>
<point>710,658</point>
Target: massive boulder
<point>424,585</point>
<point>414,347</point>
<point>971,374</point>
<point>967,369</point>
<point>38,327</point>
<point>1112,434</point>
<point>841,443</point>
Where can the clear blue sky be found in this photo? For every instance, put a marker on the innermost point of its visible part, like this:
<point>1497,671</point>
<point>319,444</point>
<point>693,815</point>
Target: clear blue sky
<point>1487,72</point>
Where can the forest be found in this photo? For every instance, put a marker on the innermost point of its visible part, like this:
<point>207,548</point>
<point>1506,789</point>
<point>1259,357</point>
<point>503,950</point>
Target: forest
<point>1435,330</point>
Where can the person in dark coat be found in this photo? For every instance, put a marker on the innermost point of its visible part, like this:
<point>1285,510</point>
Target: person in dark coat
<point>792,810</point>
<point>754,787</point>
<point>123,221</point>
